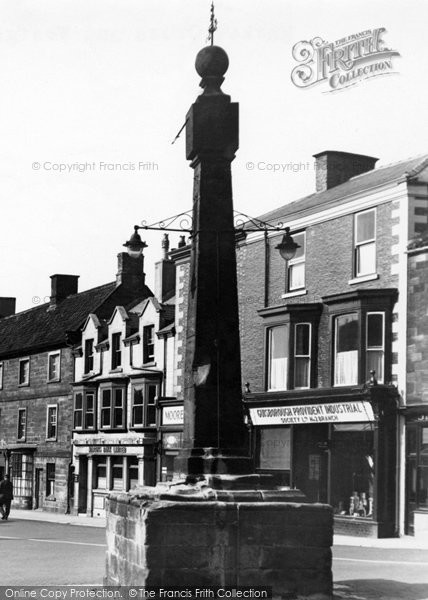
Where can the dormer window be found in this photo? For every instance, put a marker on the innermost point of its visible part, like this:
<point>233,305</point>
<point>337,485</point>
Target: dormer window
<point>89,356</point>
<point>116,350</point>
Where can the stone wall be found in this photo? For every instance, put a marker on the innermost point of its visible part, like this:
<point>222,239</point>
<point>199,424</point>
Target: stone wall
<point>281,545</point>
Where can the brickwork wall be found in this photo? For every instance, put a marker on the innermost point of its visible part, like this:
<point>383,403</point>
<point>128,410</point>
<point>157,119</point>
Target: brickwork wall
<point>283,545</point>
<point>417,328</point>
<point>35,398</point>
<point>329,268</point>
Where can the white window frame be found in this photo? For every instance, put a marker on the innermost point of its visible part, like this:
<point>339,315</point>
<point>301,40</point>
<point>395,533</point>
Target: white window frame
<point>148,358</point>
<point>380,379</point>
<point>85,355</point>
<point>286,327</point>
<point>48,407</point>
<point>50,355</point>
<point>116,335</point>
<point>27,382</point>
<point>309,356</point>
<point>297,261</point>
<point>1,374</point>
<point>335,363</point>
<point>358,245</point>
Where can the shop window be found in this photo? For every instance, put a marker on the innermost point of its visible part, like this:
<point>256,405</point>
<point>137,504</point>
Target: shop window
<point>24,372</point>
<point>365,243</point>
<point>346,350</point>
<point>352,469</point>
<point>376,344</point>
<point>302,355</point>
<point>101,473</point>
<point>84,410</point>
<point>144,405</point>
<point>22,474</point>
<point>51,422</point>
<point>22,424</point>
<point>117,473</point>
<point>132,472</point>
<point>149,343</point>
<point>89,356</point>
<point>278,358</point>
<point>116,351</point>
<point>296,265</point>
<point>113,413</point>
<point>50,480</point>
<point>274,448</point>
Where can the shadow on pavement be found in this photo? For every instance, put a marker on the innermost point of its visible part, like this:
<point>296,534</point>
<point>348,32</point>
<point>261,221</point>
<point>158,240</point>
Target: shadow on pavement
<point>379,589</point>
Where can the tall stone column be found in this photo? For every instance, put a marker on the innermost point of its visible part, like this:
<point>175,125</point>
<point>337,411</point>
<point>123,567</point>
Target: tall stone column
<point>215,436</point>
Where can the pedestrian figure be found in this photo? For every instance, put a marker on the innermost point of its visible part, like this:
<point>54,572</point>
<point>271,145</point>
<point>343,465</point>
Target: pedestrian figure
<point>6,496</point>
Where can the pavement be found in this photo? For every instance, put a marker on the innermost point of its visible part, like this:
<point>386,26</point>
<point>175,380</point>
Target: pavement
<point>404,542</point>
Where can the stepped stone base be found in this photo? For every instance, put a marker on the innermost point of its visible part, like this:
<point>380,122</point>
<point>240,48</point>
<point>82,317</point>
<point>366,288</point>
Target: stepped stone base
<point>167,537</point>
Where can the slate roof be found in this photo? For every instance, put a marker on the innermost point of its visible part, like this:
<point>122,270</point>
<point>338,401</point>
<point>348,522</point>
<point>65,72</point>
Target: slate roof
<point>395,172</point>
<point>44,327</point>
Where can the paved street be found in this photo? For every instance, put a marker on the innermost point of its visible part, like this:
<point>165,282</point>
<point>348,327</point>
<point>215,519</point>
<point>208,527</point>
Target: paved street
<point>60,550</point>
<point>364,573</point>
<point>44,553</point>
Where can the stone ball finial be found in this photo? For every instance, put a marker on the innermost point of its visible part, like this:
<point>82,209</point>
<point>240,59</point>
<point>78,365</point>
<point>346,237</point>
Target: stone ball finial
<point>211,61</point>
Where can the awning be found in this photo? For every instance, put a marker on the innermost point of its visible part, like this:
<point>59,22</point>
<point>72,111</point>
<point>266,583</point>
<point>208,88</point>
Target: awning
<point>334,412</point>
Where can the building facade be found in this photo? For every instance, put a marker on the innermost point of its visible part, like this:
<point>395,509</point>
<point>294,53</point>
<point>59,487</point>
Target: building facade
<point>36,374</point>
<point>123,374</point>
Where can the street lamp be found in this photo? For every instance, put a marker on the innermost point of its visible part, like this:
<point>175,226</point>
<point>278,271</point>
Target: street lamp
<point>243,224</point>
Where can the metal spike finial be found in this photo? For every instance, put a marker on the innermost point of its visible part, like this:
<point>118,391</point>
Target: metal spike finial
<point>213,25</point>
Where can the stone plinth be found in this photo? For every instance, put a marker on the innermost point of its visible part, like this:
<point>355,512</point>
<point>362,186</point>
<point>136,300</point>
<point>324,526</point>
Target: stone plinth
<point>153,541</point>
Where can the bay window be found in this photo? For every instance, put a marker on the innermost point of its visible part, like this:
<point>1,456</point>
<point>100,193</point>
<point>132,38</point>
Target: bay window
<point>113,415</point>
<point>375,351</point>
<point>278,358</point>
<point>144,404</point>
<point>84,409</point>
<point>302,355</point>
<point>346,350</point>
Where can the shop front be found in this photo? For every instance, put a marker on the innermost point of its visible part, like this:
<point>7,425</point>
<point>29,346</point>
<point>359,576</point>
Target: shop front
<point>416,520</point>
<point>338,448</point>
<point>170,435</point>
<point>109,462</point>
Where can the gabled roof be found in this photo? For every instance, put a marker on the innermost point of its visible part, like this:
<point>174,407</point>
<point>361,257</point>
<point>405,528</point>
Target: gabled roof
<point>46,326</point>
<point>393,173</point>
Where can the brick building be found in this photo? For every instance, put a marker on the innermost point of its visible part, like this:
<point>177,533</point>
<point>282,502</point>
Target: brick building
<point>123,412</point>
<point>36,373</point>
<point>324,341</point>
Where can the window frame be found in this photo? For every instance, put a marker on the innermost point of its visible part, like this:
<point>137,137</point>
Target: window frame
<point>111,409</point>
<point>50,480</point>
<point>269,332</point>
<point>26,382</point>
<point>56,353</point>
<point>380,379</point>
<point>143,388</point>
<point>1,374</point>
<point>84,393</point>
<point>52,438</point>
<point>292,262</point>
<point>370,241</point>
<point>89,359</point>
<point>116,350</point>
<point>335,351</point>
<point>21,424</point>
<point>148,341</point>
<point>308,356</point>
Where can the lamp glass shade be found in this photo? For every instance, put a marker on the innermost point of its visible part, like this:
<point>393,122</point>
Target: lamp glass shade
<point>135,244</point>
<point>288,247</point>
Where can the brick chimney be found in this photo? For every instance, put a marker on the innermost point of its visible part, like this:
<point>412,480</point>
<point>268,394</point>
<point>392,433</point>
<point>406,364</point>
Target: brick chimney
<point>63,286</point>
<point>333,168</point>
<point>7,307</point>
<point>130,271</point>
<point>164,274</point>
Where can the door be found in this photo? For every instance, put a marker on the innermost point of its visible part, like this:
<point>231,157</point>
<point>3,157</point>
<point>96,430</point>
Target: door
<point>310,463</point>
<point>38,499</point>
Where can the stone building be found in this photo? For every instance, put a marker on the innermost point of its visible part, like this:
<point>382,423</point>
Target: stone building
<point>36,373</point>
<point>123,375</point>
<point>324,341</point>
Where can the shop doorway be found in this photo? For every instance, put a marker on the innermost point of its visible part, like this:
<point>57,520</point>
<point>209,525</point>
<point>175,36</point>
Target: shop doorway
<point>310,465</point>
<point>83,485</point>
<point>38,495</point>
<point>416,473</point>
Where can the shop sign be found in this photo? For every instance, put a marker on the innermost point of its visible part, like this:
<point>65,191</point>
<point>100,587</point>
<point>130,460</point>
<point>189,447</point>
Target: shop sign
<point>172,415</point>
<point>108,449</point>
<point>336,412</point>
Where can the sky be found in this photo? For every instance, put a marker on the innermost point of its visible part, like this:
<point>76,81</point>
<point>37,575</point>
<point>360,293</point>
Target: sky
<point>87,84</point>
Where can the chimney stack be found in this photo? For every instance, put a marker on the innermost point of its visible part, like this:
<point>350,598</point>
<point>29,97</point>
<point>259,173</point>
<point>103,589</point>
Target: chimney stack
<point>130,272</point>
<point>63,286</point>
<point>7,307</point>
<point>164,274</point>
<point>333,168</point>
